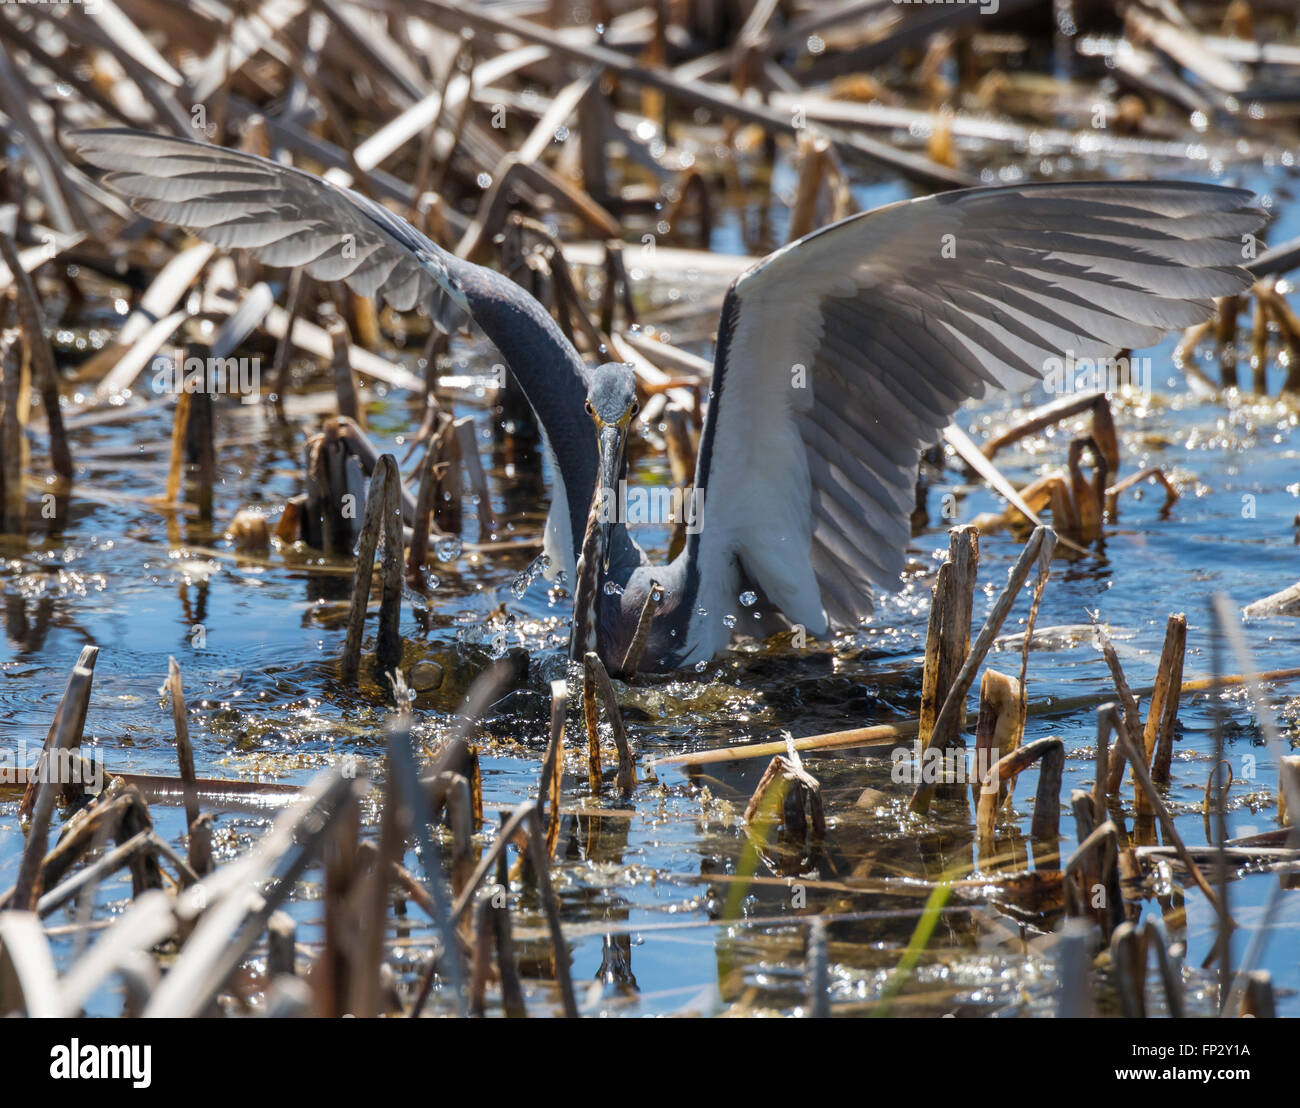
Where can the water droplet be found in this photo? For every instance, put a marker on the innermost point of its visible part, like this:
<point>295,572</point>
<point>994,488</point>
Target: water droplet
<point>535,569</point>
<point>728,620</point>
<point>447,549</point>
<point>701,665</point>
<point>613,589</point>
<point>749,598</point>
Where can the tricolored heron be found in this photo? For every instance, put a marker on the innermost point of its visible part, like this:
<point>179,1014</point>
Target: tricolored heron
<point>840,357</point>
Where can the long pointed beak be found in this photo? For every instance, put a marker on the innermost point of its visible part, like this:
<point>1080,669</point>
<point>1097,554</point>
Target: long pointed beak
<point>612,441</point>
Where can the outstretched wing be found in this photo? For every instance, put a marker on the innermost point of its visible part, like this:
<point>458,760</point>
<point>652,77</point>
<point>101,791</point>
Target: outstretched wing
<point>286,217</point>
<point>841,357</point>
<point>283,216</point>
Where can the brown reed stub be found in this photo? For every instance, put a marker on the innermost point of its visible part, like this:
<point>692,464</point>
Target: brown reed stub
<point>382,519</point>
<point>13,466</point>
<point>947,642</point>
<point>999,726</point>
<point>1000,779</point>
<point>40,359</point>
<point>1037,552</point>
<point>787,805</point>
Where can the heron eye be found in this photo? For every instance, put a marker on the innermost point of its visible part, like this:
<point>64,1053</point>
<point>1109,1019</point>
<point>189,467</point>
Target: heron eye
<point>636,407</point>
<point>587,405</point>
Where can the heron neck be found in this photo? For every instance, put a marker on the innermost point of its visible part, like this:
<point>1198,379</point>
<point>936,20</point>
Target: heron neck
<point>547,368</point>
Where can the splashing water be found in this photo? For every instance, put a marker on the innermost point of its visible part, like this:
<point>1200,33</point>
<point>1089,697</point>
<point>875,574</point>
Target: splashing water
<point>522,581</point>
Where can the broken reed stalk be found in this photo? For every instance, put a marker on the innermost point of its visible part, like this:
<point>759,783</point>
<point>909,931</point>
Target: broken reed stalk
<point>105,866</point>
<point>74,703</point>
<point>787,800</point>
<point>184,752</point>
<point>548,792</point>
<point>281,944</point>
<point>636,648</point>
<point>1103,426</point>
<point>597,675</point>
<point>431,466</point>
<point>813,151</point>
<point>492,931</point>
<point>1288,779</point>
<point>485,940</point>
<point>451,793</point>
<point>817,973</point>
<point>336,970</point>
<point>294,297</point>
<point>1128,957</point>
<point>1138,762</point>
<point>592,720</point>
<point>1221,614</point>
<point>947,642</point>
<point>180,432</point>
<point>118,812</point>
<point>1225,338</point>
<point>345,378</point>
<point>1101,788</point>
<point>1037,551</point>
<point>1259,344</point>
<point>447,492</point>
<point>513,827</point>
<point>200,435</point>
<point>1047,802</point>
<point>1229,628</point>
<point>415,818</point>
<point>512,990</point>
<point>223,933</point>
<point>1088,497</point>
<point>1257,998</point>
<point>999,725</point>
<point>1096,860</point>
<point>559,949</point>
<point>1170,976</point>
<point>382,516</point>
<point>1151,472</point>
<point>13,517</point>
<point>200,847</point>
<point>1130,719</point>
<point>494,853</point>
<point>1074,946</point>
<point>67,734</point>
<point>388,643</point>
<point>467,445</point>
<point>40,357</point>
<point>1162,708</point>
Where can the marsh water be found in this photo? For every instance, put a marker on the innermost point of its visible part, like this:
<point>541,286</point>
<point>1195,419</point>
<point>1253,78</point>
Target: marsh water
<point>658,909</point>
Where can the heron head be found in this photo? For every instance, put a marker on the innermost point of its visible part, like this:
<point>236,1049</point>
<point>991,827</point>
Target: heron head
<point>612,405</point>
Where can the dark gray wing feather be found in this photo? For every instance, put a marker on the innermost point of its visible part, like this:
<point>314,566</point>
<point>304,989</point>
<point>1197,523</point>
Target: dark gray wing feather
<point>844,355</point>
<point>283,216</point>
<point>286,217</point>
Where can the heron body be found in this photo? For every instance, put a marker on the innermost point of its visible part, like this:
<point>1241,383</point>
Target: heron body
<point>839,358</point>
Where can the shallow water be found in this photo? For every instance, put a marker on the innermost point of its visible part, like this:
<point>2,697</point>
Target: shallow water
<point>657,917</point>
